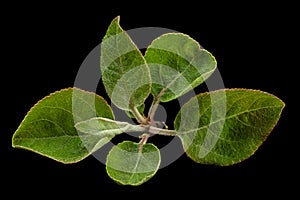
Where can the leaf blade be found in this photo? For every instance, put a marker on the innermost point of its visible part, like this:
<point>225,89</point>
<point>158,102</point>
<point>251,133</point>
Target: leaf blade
<point>177,64</point>
<point>250,117</point>
<point>127,166</point>
<point>48,128</point>
<point>125,74</point>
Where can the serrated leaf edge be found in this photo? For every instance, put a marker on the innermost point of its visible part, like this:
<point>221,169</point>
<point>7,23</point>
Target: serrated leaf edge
<point>264,138</point>
<point>48,96</point>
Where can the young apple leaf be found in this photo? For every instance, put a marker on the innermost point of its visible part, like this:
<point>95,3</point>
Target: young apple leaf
<point>106,127</point>
<point>48,128</point>
<point>125,74</point>
<point>225,140</point>
<point>177,64</point>
<point>131,163</point>
<point>223,127</point>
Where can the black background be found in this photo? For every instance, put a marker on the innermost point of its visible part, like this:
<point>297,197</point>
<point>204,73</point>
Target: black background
<point>47,44</point>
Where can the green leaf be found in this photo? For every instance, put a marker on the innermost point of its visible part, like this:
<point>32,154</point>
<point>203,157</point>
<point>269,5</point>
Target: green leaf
<point>177,64</point>
<point>48,128</point>
<point>106,127</point>
<point>128,165</point>
<point>229,137</point>
<point>125,74</point>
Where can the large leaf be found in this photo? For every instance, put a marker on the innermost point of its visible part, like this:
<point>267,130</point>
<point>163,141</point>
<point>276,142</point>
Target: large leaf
<point>128,164</point>
<point>48,128</point>
<point>177,64</point>
<point>230,137</point>
<point>125,75</point>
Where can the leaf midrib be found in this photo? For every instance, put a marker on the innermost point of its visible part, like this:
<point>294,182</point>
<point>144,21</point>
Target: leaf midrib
<point>135,167</point>
<point>226,118</point>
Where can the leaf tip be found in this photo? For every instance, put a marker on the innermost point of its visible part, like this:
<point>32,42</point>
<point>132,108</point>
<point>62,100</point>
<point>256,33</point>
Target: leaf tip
<point>116,19</point>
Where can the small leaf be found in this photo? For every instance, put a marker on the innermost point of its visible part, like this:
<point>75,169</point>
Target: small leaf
<point>125,74</point>
<point>177,65</point>
<point>230,137</point>
<point>128,165</point>
<point>106,127</point>
<point>48,128</point>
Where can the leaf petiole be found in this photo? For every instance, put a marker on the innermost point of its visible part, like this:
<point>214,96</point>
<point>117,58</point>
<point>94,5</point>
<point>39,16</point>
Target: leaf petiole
<point>144,137</point>
<point>140,118</point>
<point>155,103</point>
